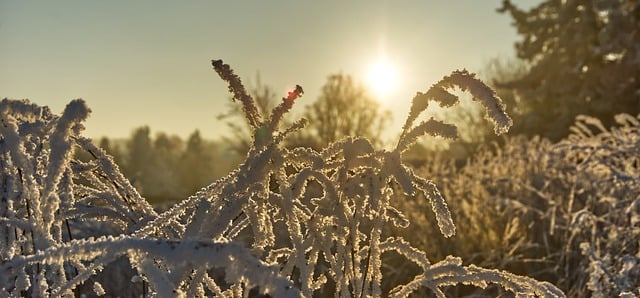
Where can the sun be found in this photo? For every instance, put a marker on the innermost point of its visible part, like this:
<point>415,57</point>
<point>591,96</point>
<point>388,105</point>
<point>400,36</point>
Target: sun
<point>382,78</point>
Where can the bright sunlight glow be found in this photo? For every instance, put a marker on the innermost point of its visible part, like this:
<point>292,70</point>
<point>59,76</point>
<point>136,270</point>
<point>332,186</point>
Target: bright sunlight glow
<point>382,78</point>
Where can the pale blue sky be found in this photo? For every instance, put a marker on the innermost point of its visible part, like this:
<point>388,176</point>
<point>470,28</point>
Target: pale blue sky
<point>148,62</point>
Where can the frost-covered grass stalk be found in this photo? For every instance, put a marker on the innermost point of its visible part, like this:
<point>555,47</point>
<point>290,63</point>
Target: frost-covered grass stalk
<point>565,212</point>
<point>288,223</point>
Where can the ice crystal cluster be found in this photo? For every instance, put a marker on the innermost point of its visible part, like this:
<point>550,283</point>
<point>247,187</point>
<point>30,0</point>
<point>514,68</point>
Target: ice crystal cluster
<point>286,223</point>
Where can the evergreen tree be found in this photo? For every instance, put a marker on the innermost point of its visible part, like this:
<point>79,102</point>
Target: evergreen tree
<point>164,182</point>
<point>139,157</point>
<point>198,163</point>
<point>111,148</point>
<point>585,59</point>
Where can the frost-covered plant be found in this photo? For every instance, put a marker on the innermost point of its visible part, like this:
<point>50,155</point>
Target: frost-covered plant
<point>566,212</point>
<point>41,200</point>
<point>286,223</point>
<point>605,213</point>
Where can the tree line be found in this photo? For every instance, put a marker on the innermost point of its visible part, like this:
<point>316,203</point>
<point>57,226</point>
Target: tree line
<point>169,168</point>
<point>574,57</point>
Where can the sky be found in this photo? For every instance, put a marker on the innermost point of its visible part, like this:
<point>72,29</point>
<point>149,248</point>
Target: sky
<point>148,62</point>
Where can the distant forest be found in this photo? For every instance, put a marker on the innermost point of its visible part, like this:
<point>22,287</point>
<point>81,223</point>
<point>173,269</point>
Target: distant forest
<point>168,168</point>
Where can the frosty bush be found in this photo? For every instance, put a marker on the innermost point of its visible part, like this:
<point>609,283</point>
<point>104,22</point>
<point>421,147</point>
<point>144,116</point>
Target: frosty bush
<point>565,212</point>
<point>286,223</point>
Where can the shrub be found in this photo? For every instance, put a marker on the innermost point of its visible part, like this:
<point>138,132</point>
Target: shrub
<point>286,223</point>
<point>565,212</point>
